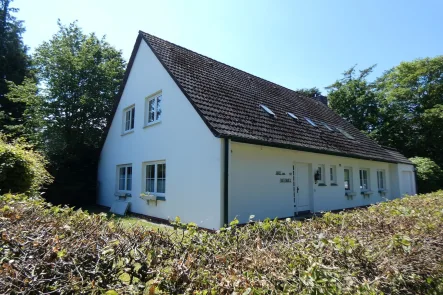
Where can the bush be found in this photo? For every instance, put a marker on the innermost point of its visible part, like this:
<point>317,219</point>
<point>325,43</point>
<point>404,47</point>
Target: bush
<point>22,170</point>
<point>429,175</point>
<point>390,248</point>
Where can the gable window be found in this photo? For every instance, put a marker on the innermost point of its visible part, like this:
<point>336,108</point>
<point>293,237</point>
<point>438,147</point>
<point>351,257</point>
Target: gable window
<point>348,178</point>
<point>128,119</point>
<point>364,179</point>
<point>381,179</point>
<point>155,178</point>
<point>333,175</point>
<point>124,178</point>
<point>153,112</point>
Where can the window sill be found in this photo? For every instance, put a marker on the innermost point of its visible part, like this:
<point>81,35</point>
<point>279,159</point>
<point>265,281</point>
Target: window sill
<point>152,123</point>
<point>334,184</point>
<point>127,132</point>
<point>322,184</point>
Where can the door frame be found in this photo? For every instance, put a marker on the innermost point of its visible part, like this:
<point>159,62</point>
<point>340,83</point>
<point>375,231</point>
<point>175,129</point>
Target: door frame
<point>309,186</point>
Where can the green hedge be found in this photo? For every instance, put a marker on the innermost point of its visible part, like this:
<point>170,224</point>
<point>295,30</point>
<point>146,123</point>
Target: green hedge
<point>391,248</point>
<point>22,170</point>
<point>429,175</point>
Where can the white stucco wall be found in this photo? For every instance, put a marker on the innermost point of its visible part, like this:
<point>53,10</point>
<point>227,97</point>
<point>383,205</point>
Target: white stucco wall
<point>255,189</point>
<point>192,153</point>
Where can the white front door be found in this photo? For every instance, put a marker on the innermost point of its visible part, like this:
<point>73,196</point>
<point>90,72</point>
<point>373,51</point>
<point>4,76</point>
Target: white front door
<point>302,201</point>
<point>407,187</point>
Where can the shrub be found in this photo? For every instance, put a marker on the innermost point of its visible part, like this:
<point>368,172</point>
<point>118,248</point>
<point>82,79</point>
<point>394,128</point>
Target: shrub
<point>390,248</point>
<point>22,170</point>
<point>429,175</point>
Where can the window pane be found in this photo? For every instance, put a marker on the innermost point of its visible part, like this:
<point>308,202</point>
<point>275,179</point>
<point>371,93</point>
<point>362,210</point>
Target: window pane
<point>161,178</point>
<point>121,178</point>
<point>150,174</point>
<point>132,118</point>
<point>161,170</point>
<point>129,179</point>
<point>127,120</point>
<point>151,110</point>
<point>161,183</point>
<point>347,179</point>
<point>159,107</point>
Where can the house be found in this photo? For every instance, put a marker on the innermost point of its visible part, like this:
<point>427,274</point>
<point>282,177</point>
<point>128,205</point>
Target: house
<point>196,138</point>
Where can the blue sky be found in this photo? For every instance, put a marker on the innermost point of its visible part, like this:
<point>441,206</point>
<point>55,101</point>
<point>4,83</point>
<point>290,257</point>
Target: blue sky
<point>297,44</point>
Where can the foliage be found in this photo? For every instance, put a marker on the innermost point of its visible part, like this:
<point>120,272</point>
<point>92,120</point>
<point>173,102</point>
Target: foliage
<point>80,75</point>
<point>411,108</point>
<point>429,175</point>
<point>310,92</point>
<point>390,248</point>
<point>14,62</point>
<point>22,170</point>
<point>31,124</point>
<point>354,99</point>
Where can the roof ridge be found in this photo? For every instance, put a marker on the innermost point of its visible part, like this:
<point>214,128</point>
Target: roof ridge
<point>232,67</point>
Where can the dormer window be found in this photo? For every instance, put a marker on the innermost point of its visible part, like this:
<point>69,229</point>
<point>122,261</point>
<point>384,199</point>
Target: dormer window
<point>292,116</point>
<point>310,122</point>
<point>267,110</point>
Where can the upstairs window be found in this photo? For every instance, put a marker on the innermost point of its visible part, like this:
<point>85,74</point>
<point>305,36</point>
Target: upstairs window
<point>267,110</point>
<point>128,119</point>
<point>381,179</point>
<point>364,179</point>
<point>124,178</point>
<point>153,112</point>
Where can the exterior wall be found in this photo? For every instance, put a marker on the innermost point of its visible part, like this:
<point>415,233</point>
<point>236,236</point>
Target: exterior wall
<point>255,189</point>
<point>192,153</point>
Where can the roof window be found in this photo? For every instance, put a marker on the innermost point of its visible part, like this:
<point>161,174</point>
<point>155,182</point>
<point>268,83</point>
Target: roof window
<point>267,110</point>
<point>345,133</point>
<point>327,127</point>
<point>310,122</point>
<point>292,116</point>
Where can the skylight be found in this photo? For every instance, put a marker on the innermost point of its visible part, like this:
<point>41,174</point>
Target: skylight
<point>267,110</point>
<point>292,116</point>
<point>310,122</point>
<point>345,133</point>
<point>327,126</point>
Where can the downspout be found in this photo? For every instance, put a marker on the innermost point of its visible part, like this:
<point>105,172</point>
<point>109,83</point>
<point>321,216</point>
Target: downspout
<point>226,182</point>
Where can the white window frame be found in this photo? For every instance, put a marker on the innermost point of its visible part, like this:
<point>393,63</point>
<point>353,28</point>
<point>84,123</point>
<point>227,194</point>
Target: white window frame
<point>381,172</point>
<point>125,166</point>
<point>333,174</point>
<point>350,183</point>
<point>131,111</point>
<point>144,186</point>
<point>368,179</point>
<point>153,97</point>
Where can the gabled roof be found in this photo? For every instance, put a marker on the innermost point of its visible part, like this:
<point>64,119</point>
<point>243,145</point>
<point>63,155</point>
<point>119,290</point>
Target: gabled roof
<point>229,101</point>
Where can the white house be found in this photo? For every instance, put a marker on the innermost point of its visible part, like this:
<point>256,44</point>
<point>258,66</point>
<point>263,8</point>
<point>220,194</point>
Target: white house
<point>208,142</point>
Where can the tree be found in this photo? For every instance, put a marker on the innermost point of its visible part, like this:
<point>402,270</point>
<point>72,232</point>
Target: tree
<point>81,75</point>
<point>429,175</point>
<point>310,92</point>
<point>14,62</point>
<point>411,108</point>
<point>353,98</point>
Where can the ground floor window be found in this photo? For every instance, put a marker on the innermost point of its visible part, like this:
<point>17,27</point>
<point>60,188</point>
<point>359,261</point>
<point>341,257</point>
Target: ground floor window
<point>364,179</point>
<point>348,178</point>
<point>155,177</point>
<point>333,174</point>
<point>124,177</point>
<point>381,179</point>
